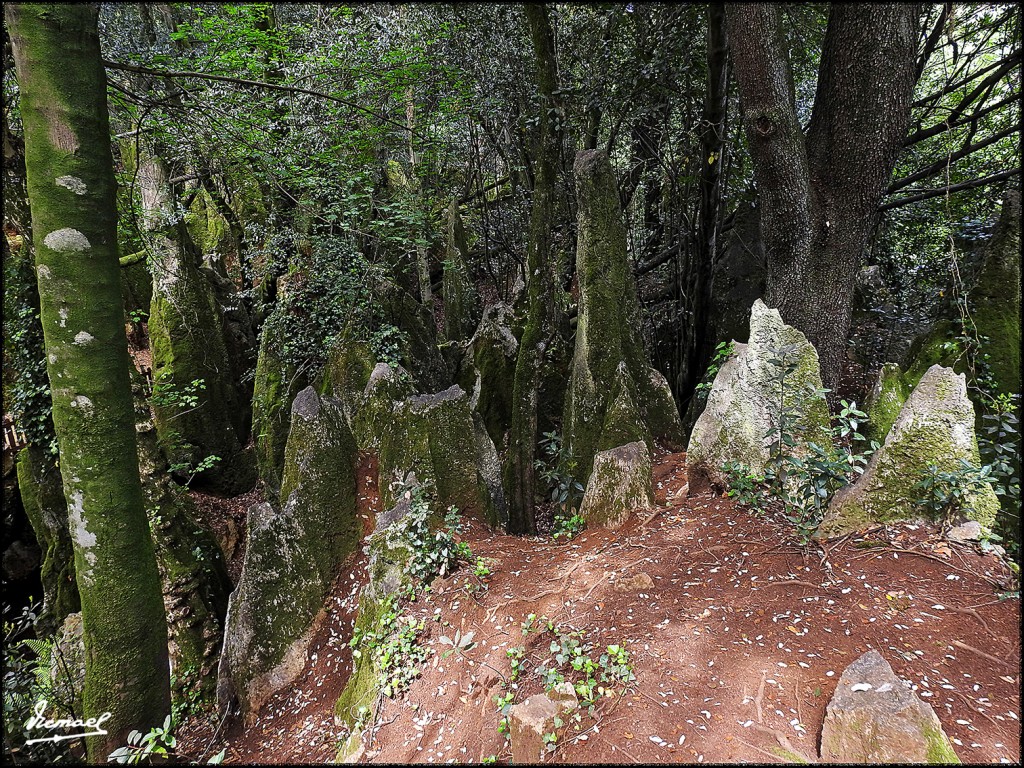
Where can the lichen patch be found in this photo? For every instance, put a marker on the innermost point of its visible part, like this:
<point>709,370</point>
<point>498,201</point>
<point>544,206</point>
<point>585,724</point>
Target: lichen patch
<point>83,337</point>
<point>73,183</point>
<point>66,240</point>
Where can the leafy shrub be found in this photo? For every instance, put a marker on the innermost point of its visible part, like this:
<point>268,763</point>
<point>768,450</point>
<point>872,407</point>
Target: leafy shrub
<point>563,491</point>
<point>435,551</point>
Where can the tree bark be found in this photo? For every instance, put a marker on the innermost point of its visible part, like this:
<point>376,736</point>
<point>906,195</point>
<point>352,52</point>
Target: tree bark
<point>819,194</point>
<point>542,318</point>
<point>74,220</point>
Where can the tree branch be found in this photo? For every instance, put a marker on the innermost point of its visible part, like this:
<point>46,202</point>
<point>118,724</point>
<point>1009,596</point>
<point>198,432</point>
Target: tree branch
<point>933,39</point>
<point>1006,64</point>
<point>936,167</point>
<point>258,84</point>
<point>926,194</point>
<point>946,125</point>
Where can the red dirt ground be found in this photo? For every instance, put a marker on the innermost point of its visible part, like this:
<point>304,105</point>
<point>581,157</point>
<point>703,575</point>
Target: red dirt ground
<point>737,647</point>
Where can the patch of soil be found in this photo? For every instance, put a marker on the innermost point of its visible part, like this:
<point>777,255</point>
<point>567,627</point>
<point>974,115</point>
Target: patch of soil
<point>737,644</point>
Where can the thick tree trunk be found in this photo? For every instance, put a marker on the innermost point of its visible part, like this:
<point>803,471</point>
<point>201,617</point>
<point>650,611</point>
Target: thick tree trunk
<point>819,196</point>
<point>74,220</point>
<point>542,318</point>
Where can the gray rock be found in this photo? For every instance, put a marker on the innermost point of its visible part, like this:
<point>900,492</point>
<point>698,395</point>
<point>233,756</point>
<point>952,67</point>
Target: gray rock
<point>935,427</point>
<point>969,531</point>
<point>621,482</point>
<point>874,717</point>
<point>743,412</point>
<point>67,662</point>
<point>291,556</point>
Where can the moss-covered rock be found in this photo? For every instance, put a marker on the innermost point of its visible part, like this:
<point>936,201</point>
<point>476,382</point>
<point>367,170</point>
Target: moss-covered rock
<point>347,371</point>
<point>67,662</point>
<point>935,427</point>
<point>193,574</point>
<point>387,576</point>
<point>777,372</point>
<point>996,300</point>
<point>874,718</point>
<point>488,370</point>
<point>292,556</point>
<point>461,303</point>
<point>884,402</point>
<point>607,333</point>
<point>418,350</point>
<point>433,437</point>
<point>275,387</point>
<point>42,496</point>
<point>374,414</point>
<point>621,482</point>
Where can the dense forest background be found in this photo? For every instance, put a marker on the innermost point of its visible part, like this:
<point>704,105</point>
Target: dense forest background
<point>295,181</point>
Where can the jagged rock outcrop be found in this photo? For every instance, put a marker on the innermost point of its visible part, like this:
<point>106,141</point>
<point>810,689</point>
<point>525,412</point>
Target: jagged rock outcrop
<point>292,556</point>
<point>488,370</point>
<point>608,345</point>
<point>935,427</point>
<point>776,372</point>
<point>621,482</point>
<point>875,718</point>
<point>884,402</point>
<point>193,574</point>
<point>434,437</point>
<point>276,384</point>
<point>347,370</point>
<point>461,303</point>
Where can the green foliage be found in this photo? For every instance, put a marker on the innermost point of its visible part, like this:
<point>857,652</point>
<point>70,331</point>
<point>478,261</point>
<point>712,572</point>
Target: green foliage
<point>564,492</point>
<point>158,745</point>
<point>563,655</point>
<point>723,352</point>
<point>28,674</point>
<point>999,445</point>
<point>948,493</point>
<point>435,550</point>
<point>394,648</point>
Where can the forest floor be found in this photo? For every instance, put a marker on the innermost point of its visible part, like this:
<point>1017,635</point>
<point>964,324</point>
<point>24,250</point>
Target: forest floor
<point>736,635</point>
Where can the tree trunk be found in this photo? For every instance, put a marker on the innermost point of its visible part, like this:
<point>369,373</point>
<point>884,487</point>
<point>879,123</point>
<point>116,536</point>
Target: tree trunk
<point>74,220</point>
<point>695,339</point>
<point>542,315</point>
<point>819,195</point>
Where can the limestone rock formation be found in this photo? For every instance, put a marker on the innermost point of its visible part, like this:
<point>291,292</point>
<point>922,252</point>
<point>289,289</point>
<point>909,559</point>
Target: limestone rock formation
<point>374,412</point>
<point>291,556</point>
<point>488,370</point>
<point>749,395</point>
<point>621,482</point>
<point>884,402</point>
<point>874,717</point>
<point>67,662</point>
<point>935,427</point>
<point>348,369</point>
<point>608,345</point>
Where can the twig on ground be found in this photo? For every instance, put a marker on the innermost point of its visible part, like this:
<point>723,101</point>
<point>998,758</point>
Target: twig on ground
<point>984,655</point>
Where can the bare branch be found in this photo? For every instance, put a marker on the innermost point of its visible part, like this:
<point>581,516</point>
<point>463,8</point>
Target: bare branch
<point>926,194</point>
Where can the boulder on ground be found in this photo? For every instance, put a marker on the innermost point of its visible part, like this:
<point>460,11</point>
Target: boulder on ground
<point>874,717</point>
<point>776,373</point>
<point>621,482</point>
<point>531,719</point>
<point>608,343</point>
<point>935,427</point>
<point>291,556</point>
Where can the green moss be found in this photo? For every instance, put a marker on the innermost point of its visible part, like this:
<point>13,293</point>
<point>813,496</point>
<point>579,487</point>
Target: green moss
<point>348,369</point>
<point>885,402</point>
<point>461,303</point>
<point>276,385</point>
<point>939,750</point>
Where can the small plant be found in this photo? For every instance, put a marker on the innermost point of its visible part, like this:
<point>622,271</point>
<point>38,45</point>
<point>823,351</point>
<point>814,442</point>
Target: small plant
<point>435,551</point>
<point>564,491</point>
<point>947,494</point>
<point>748,488</point>
<point>722,353</point>
<point>394,645</point>
<point>168,395</point>
<point>159,743</point>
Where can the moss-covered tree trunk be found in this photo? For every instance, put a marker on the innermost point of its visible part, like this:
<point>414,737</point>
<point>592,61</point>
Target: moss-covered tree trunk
<point>74,222</point>
<point>543,314</point>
